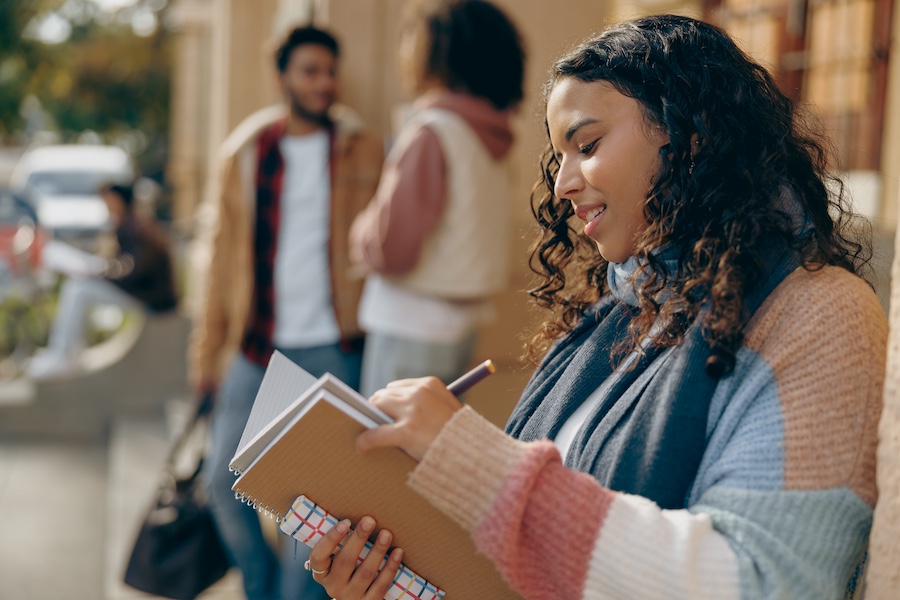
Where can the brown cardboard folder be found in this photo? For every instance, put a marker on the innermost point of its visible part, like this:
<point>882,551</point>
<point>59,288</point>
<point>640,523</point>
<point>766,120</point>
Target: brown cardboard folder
<point>315,456</point>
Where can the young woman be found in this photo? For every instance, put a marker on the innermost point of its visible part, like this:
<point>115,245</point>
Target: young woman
<point>442,204</point>
<point>703,424</point>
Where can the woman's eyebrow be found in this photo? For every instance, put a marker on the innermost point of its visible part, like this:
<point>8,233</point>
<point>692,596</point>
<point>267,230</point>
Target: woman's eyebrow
<point>573,129</point>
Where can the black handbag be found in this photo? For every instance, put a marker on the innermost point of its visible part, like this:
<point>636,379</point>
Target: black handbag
<point>177,552</point>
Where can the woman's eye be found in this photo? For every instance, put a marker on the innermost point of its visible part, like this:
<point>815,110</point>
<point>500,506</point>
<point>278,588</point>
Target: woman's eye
<point>587,149</point>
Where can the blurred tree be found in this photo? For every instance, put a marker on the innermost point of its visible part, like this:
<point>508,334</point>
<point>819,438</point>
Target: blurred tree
<point>18,59</point>
<point>110,73</point>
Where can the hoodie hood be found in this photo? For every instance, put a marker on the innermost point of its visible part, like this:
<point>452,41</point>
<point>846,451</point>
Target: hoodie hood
<point>490,124</point>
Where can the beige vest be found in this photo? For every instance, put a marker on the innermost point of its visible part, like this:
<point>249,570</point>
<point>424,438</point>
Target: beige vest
<point>467,254</point>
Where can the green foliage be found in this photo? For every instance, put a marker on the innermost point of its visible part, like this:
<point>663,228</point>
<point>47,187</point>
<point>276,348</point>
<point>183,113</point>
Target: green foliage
<point>104,77</point>
<point>18,58</point>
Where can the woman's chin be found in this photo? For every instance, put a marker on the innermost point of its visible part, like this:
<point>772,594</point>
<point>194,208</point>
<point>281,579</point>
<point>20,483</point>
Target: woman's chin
<point>611,254</point>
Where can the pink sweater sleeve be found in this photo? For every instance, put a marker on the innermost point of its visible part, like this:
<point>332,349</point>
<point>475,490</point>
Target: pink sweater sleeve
<point>557,533</point>
<point>388,236</point>
<point>525,484</point>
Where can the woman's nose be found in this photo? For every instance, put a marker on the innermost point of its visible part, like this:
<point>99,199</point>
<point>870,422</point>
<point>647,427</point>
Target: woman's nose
<point>568,180</point>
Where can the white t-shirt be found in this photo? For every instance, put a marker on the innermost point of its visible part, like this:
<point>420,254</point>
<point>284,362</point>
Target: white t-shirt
<point>392,309</point>
<point>304,314</point>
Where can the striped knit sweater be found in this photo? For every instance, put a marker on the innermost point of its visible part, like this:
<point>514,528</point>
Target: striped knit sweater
<point>782,503</point>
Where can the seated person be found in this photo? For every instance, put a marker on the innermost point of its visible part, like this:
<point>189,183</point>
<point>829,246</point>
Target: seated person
<point>139,276</point>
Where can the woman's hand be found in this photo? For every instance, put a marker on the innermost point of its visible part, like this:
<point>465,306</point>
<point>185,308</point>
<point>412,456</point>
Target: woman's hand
<point>336,568</point>
<point>420,409</point>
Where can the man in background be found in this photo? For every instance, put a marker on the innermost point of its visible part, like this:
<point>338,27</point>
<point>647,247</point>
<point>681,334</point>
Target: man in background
<point>293,178</point>
<point>139,276</point>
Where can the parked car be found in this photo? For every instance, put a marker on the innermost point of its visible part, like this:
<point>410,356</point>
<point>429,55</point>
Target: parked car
<point>21,241</point>
<point>60,183</point>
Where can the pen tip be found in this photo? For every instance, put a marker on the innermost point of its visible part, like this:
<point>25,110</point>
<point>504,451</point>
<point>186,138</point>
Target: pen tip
<point>489,365</point>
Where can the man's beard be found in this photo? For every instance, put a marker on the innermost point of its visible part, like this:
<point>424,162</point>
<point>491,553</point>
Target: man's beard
<point>304,113</point>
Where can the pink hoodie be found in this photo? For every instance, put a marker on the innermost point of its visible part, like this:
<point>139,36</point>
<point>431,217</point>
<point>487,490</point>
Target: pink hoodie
<point>387,237</point>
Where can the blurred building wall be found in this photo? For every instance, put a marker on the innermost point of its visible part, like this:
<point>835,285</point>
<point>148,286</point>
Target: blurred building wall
<point>370,33</point>
<point>890,155</point>
<point>224,72</point>
<point>883,579</point>
<point>833,56</point>
<point>189,132</point>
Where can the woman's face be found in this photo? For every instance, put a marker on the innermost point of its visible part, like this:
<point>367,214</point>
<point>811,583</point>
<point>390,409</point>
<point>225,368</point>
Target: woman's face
<point>608,157</point>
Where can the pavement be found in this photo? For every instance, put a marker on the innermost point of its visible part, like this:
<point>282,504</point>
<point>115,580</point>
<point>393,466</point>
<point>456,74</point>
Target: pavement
<point>69,510</point>
<point>79,462</point>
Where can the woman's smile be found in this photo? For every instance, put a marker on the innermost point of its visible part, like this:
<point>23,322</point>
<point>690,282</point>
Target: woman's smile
<point>591,215</point>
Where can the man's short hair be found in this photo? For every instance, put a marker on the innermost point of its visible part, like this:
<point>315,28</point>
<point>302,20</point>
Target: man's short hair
<point>125,192</point>
<point>301,36</point>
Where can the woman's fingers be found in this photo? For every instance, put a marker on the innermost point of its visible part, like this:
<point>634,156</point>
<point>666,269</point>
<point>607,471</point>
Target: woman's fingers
<point>401,383</point>
<point>367,572</point>
<point>346,576</point>
<point>342,560</point>
<point>320,556</point>
<point>419,407</point>
<point>379,588</point>
<point>346,560</point>
<point>380,437</point>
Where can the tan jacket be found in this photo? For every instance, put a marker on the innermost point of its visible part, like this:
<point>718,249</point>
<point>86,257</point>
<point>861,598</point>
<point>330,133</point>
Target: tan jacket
<point>225,311</point>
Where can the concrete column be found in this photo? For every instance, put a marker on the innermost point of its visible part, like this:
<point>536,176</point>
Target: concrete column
<point>890,144</point>
<point>190,97</point>
<point>235,79</point>
<point>883,578</point>
<point>243,77</point>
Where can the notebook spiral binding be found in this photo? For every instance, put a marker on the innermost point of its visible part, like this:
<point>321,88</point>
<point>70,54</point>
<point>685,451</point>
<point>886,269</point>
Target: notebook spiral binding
<point>262,508</point>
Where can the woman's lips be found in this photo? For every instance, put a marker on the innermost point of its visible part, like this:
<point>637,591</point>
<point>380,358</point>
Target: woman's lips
<point>591,215</point>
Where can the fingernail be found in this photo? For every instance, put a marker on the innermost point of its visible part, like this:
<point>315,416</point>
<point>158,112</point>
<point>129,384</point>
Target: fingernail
<point>384,538</point>
<point>397,554</point>
<point>343,526</point>
<point>367,524</point>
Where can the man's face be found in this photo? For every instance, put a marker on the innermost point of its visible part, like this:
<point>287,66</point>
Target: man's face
<point>309,81</point>
<point>115,206</point>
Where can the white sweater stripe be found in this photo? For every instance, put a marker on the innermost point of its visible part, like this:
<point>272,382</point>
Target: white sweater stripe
<point>653,554</point>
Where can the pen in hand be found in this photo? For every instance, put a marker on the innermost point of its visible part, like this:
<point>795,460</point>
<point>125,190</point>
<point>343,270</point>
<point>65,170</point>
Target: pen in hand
<point>464,383</point>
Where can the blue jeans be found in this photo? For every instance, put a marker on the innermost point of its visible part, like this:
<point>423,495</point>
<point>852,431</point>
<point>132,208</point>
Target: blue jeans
<point>265,578</point>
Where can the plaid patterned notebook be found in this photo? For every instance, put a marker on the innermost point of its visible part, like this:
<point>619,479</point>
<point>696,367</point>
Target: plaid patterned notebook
<point>307,523</point>
<point>311,452</point>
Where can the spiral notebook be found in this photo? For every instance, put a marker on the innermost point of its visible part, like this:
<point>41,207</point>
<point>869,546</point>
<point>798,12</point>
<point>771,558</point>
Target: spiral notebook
<point>299,440</point>
<point>288,391</point>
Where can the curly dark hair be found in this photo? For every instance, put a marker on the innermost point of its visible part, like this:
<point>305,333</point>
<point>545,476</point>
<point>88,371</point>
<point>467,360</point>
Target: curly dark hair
<point>756,164</point>
<point>470,46</point>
